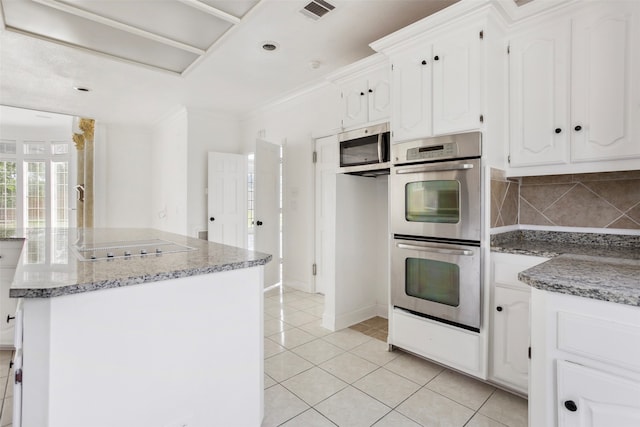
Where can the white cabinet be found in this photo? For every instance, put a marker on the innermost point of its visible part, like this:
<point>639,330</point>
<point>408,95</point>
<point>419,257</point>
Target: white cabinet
<point>585,362</point>
<point>9,254</point>
<point>591,398</point>
<point>538,97</point>
<point>436,86</point>
<point>574,98</point>
<point>366,98</point>
<point>509,362</point>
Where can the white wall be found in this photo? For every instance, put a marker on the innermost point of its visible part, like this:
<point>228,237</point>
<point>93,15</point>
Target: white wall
<point>169,173</point>
<point>295,124</point>
<point>207,131</point>
<point>124,179</point>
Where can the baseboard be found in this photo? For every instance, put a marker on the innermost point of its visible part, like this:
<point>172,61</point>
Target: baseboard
<point>297,285</point>
<point>343,321</point>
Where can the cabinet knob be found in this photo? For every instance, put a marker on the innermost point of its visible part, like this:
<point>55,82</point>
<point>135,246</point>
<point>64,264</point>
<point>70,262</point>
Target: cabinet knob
<point>211,219</point>
<point>436,58</point>
<point>558,130</point>
<point>370,90</point>
<point>258,223</point>
<point>498,308</point>
<point>578,128</point>
<point>361,93</point>
<point>424,62</point>
<point>571,405</point>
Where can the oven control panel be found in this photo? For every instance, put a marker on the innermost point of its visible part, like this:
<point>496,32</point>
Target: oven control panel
<point>433,152</point>
<point>459,146</point>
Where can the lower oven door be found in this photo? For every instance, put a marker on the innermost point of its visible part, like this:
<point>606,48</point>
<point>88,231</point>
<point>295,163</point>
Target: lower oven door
<point>437,280</point>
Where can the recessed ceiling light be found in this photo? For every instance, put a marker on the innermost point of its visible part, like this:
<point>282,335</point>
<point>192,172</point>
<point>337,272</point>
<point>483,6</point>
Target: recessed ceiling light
<point>82,89</point>
<point>270,46</point>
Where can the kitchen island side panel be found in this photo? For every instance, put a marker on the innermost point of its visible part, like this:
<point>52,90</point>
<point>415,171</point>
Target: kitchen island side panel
<point>185,351</point>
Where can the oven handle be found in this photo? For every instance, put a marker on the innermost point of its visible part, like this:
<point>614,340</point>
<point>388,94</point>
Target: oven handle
<point>380,159</point>
<point>435,249</point>
<point>463,166</point>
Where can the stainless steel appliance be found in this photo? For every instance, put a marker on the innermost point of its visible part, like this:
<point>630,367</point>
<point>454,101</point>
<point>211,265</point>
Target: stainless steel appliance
<point>436,186</point>
<point>436,219</point>
<point>365,151</point>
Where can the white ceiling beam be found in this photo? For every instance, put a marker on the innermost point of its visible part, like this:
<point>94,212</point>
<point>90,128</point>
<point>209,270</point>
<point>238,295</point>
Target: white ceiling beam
<point>120,26</point>
<point>196,4</point>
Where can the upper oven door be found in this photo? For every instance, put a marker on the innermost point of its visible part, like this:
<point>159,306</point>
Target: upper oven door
<point>437,200</point>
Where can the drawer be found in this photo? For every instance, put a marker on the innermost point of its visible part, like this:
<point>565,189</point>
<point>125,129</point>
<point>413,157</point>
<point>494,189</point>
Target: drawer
<point>507,266</point>
<point>600,339</point>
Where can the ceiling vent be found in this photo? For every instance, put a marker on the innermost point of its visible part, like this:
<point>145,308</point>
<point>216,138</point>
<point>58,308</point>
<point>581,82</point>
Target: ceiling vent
<point>317,9</point>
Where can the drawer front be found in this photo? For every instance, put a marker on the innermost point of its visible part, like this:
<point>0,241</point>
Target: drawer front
<point>600,339</point>
<point>445,344</point>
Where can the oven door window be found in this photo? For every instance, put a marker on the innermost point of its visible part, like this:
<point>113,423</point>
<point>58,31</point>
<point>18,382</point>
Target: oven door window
<point>433,201</point>
<point>431,280</point>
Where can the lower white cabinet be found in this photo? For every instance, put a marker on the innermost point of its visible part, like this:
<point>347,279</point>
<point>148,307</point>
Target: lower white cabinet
<point>585,362</point>
<point>589,397</point>
<point>9,254</point>
<point>509,361</point>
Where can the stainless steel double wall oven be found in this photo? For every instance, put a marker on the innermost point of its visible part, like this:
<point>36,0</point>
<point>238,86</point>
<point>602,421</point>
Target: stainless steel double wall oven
<point>436,220</point>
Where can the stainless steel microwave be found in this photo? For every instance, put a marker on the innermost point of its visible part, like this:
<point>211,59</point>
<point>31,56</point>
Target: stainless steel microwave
<point>365,151</point>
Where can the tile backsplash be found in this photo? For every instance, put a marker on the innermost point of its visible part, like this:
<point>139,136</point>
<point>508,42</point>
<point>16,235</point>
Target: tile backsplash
<point>596,200</point>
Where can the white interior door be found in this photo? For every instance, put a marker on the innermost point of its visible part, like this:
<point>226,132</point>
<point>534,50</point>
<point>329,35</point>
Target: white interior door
<point>325,211</point>
<point>227,199</point>
<point>267,207</point>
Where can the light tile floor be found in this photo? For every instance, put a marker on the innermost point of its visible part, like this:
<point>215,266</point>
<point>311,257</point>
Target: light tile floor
<point>317,378</point>
<point>6,389</point>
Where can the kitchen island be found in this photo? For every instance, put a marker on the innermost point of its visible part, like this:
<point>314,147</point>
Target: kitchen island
<point>168,334</point>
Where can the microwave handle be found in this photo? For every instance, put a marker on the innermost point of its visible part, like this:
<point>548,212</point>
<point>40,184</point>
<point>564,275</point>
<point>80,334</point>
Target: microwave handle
<point>464,166</point>
<point>380,159</point>
<point>435,249</point>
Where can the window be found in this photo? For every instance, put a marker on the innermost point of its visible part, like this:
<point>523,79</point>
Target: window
<point>35,184</point>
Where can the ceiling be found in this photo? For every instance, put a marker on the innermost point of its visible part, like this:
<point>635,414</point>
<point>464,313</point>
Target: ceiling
<point>143,58</point>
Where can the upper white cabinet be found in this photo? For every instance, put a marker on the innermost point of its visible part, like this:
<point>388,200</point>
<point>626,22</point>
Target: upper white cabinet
<point>538,96</point>
<point>436,86</point>
<point>366,98</point>
<point>574,98</point>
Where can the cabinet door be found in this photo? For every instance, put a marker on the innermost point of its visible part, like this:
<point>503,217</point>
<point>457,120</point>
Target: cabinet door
<point>456,82</point>
<point>354,103</point>
<point>588,397</point>
<point>379,95</point>
<point>605,111</point>
<point>7,307</point>
<point>511,337</point>
<point>538,94</point>
<point>411,96</point>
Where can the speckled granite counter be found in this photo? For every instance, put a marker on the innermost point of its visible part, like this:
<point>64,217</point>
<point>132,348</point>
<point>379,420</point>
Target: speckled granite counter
<point>50,267</point>
<point>599,266</point>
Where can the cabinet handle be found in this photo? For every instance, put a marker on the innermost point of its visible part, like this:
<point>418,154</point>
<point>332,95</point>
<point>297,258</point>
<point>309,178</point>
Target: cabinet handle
<point>558,130</point>
<point>578,128</point>
<point>571,405</point>
<point>424,62</point>
<point>10,318</point>
<point>498,308</point>
<point>258,223</point>
<point>436,58</point>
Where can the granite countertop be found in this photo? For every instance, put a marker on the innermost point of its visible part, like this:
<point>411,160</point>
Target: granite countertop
<point>598,266</point>
<point>50,265</point>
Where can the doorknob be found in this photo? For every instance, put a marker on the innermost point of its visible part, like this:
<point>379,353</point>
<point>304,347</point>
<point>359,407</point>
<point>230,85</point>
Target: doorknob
<point>212,219</point>
<point>258,222</point>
